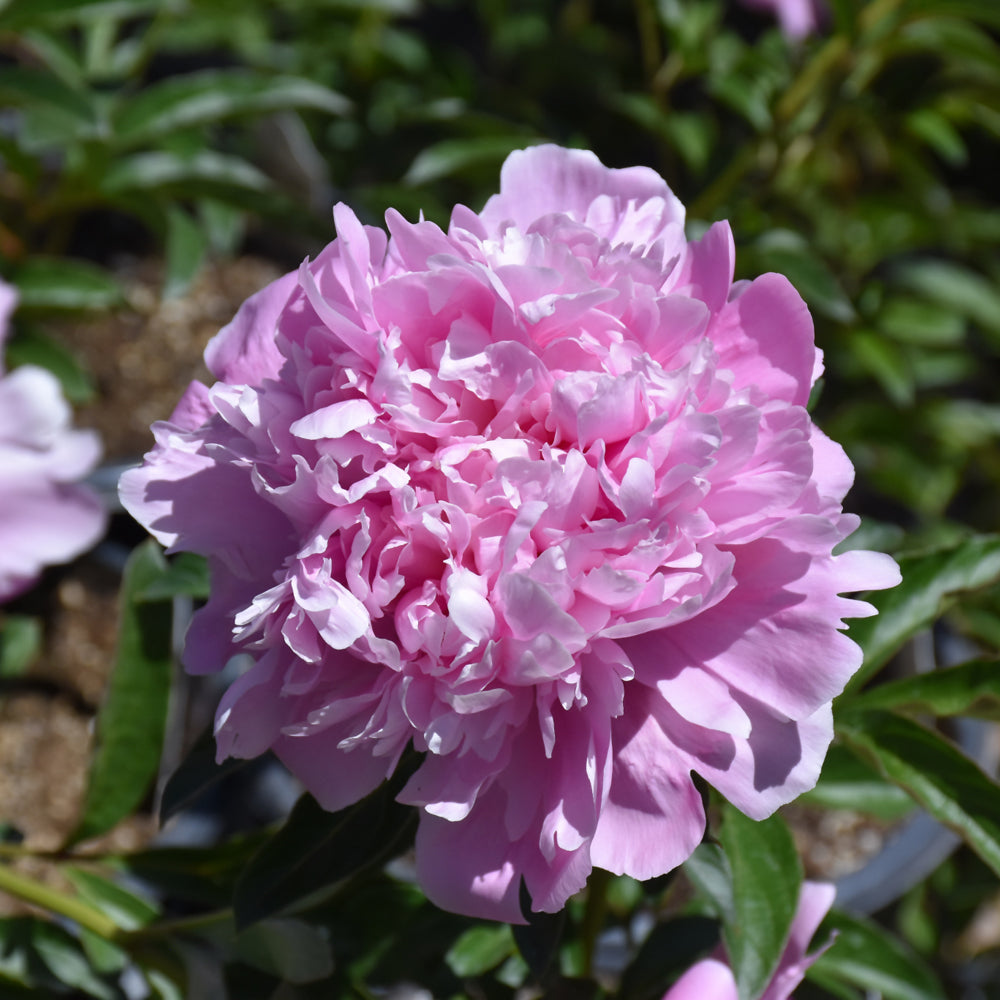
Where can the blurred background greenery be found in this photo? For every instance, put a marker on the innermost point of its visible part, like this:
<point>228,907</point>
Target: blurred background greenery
<point>861,162</point>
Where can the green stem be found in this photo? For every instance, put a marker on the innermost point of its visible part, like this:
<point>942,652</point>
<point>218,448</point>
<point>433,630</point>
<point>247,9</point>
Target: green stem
<point>807,82</point>
<point>29,890</point>
<point>593,915</point>
<point>716,193</point>
<point>649,38</point>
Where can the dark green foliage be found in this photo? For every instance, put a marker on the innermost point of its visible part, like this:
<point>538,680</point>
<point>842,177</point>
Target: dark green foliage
<point>861,163</point>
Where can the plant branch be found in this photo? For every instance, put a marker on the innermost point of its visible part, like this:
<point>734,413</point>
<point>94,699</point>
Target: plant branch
<point>29,890</point>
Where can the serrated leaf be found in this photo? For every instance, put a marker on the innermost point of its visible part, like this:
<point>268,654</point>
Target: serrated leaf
<point>213,95</point>
<point>971,688</point>
<point>131,722</point>
<point>480,949</point>
<point>934,772</point>
<point>64,283</point>
<point>20,644</point>
<point>865,955</point>
<point>315,851</point>
<point>931,581</point>
<point>767,876</point>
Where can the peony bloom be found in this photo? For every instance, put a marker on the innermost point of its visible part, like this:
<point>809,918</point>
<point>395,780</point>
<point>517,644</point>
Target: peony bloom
<point>797,18</point>
<point>45,515</point>
<point>539,494</point>
<point>712,979</point>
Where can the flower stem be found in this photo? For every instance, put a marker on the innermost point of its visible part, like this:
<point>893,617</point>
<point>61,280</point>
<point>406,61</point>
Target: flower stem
<point>593,915</point>
<point>29,890</point>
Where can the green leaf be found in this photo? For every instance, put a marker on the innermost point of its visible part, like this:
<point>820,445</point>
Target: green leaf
<point>885,361</point>
<point>186,575</point>
<point>708,868</point>
<point>20,644</point>
<point>105,957</point>
<point>204,875</point>
<point>791,255</point>
<point>955,37</point>
<point>934,772</point>
<point>34,12</point>
<point>13,953</point>
<point>33,347</point>
<point>767,875</point>
<point>131,722</point>
<point>846,782</point>
<point>186,244</point>
<point>163,986</point>
<point>933,128</point>
<point>865,955</point>
<point>480,949</point>
<point>67,962</point>
<point>29,88</point>
<point>290,950</point>
<point>971,688</point>
<point>956,287</point>
<point>213,95</point>
<point>203,172</point>
<point>931,582</point>
<point>64,283</point>
<point>315,851</point>
<point>456,156</point>
<point>917,321</point>
<point>126,909</point>
<point>195,774</point>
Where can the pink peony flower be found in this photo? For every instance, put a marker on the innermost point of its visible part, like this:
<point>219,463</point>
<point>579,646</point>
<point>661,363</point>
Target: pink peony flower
<point>45,515</point>
<point>712,979</point>
<point>539,494</point>
<point>797,18</point>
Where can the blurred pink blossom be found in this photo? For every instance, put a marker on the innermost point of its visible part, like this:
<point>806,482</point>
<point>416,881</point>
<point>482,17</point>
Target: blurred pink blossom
<point>712,979</point>
<point>540,494</point>
<point>45,515</point>
<point>797,18</point>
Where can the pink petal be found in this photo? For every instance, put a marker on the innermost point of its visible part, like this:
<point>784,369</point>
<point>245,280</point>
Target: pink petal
<point>709,979</point>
